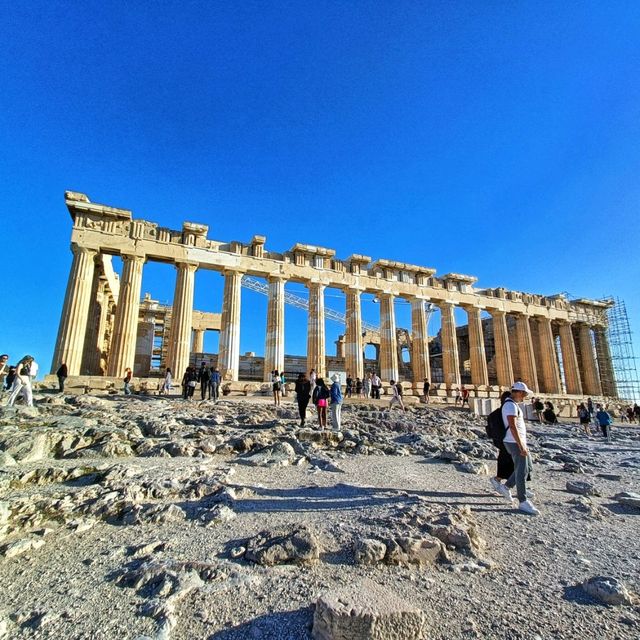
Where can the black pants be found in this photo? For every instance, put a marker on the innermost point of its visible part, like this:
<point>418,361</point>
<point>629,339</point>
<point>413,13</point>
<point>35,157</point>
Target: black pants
<point>505,463</point>
<point>204,385</point>
<point>302,409</point>
<point>61,380</point>
<point>375,393</point>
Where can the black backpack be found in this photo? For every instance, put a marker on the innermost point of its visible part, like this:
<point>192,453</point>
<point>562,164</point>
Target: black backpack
<point>399,388</point>
<point>495,428</point>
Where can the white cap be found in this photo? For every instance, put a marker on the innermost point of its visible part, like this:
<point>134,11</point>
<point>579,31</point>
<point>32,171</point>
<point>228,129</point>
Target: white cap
<point>520,386</point>
<point>335,377</point>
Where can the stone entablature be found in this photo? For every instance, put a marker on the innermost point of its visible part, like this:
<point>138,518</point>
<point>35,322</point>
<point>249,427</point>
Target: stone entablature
<point>524,346</point>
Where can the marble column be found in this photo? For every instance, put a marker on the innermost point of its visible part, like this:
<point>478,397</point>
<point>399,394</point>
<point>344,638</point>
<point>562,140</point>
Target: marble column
<point>388,340</point>
<point>181,319</point>
<point>96,327</point>
<point>229,351</point>
<point>477,355</point>
<point>605,363</point>
<point>547,359</point>
<point>569,359</point>
<point>449,338</point>
<point>198,341</point>
<point>590,377</point>
<point>354,350</point>
<point>316,348</point>
<point>504,367</point>
<point>526,354</point>
<point>125,326</point>
<point>73,322</point>
<point>274,342</point>
<point>420,365</point>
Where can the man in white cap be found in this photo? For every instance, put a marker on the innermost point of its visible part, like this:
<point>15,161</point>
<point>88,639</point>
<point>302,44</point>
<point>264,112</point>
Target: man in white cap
<point>336,402</point>
<point>515,441</point>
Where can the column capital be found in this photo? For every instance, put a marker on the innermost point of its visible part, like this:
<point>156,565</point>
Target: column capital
<point>78,249</point>
<point>277,277</point>
<point>132,257</point>
<point>186,264</point>
<point>472,307</point>
<point>232,271</point>
<point>496,313</point>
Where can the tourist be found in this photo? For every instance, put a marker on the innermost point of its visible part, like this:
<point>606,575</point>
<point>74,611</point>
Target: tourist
<point>358,388</point>
<point>215,384</point>
<point>504,464</point>
<point>127,381</point>
<point>376,384</point>
<point>457,398</point>
<point>515,441</point>
<point>549,415</point>
<point>396,397</point>
<point>189,381</point>
<point>584,417</point>
<point>590,408</point>
<point>464,392</point>
<point>62,374</point>
<point>630,414</point>
<point>283,384</point>
<point>366,386</point>
<point>204,377</point>
<point>11,376</point>
<point>21,384</point>
<point>336,402</point>
<point>426,385</point>
<point>636,412</point>
<point>33,371</point>
<point>538,407</point>
<point>604,421</point>
<point>349,390</point>
<point>4,371</point>
<point>275,386</point>
<point>319,397</point>
<point>312,378</point>
<point>165,388</point>
<point>303,393</point>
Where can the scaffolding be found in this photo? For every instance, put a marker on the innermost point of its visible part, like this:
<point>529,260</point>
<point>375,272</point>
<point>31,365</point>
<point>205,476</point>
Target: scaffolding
<point>622,355</point>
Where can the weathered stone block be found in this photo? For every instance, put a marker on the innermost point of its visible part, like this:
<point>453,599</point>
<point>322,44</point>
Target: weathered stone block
<point>366,611</point>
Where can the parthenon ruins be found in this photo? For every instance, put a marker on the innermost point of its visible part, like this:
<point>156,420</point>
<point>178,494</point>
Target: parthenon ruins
<point>558,347</point>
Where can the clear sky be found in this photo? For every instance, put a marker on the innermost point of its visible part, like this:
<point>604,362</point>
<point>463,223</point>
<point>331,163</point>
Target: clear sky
<point>498,139</point>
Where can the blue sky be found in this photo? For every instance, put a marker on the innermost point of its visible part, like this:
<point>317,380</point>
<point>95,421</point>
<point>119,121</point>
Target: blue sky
<point>490,138</point>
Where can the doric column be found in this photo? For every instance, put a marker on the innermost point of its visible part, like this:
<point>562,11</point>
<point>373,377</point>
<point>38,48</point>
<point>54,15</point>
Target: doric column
<point>547,360</point>
<point>198,341</point>
<point>274,342</point>
<point>181,319</point>
<point>354,354</point>
<point>504,367</point>
<point>229,356</point>
<point>526,355</point>
<point>73,322</point>
<point>419,344</point>
<point>449,338</point>
<point>569,360</point>
<point>605,363</point>
<point>590,378</point>
<point>316,350</point>
<point>477,355</point>
<point>96,327</point>
<point>125,326</point>
<point>388,339</point>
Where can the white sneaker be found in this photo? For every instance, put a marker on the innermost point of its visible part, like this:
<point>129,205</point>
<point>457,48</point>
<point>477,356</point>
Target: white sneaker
<point>495,485</point>
<point>527,507</point>
<point>504,491</point>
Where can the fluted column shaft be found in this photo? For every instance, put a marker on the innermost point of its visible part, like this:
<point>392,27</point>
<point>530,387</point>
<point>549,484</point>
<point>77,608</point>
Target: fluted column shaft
<point>590,380</point>
<point>477,355</point>
<point>569,360</point>
<point>229,356</point>
<point>388,339</point>
<point>420,365</point>
<point>316,348</point>
<point>450,358</point>
<point>548,361</point>
<point>274,341</point>
<point>504,366</point>
<point>198,341</point>
<point>526,354</point>
<point>73,322</point>
<point>605,363</point>
<point>354,354</point>
<point>181,318</point>
<point>125,325</point>
<point>96,326</point>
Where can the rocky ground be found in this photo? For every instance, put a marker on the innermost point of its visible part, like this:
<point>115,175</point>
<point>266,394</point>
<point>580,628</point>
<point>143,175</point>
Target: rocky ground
<point>154,518</point>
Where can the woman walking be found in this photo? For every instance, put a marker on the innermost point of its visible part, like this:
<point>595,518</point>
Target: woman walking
<point>584,417</point>
<point>303,393</point>
<point>127,381</point>
<point>321,395</point>
<point>276,385</point>
<point>166,383</point>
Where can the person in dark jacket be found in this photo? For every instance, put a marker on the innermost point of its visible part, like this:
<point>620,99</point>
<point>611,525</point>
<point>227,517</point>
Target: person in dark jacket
<point>504,466</point>
<point>62,374</point>
<point>303,393</point>
<point>204,376</point>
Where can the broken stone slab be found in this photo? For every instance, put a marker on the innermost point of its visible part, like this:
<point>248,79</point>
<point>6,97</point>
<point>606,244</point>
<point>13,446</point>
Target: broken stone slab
<point>607,590</point>
<point>414,551</point>
<point>476,468</point>
<point>366,611</point>
<point>282,546</point>
<point>582,488</point>
<point>20,547</point>
<point>278,454</point>
<point>628,499</point>
<point>369,551</point>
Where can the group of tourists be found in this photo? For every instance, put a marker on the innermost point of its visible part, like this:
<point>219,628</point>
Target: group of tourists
<point>17,379</point>
<point>208,377</point>
<point>367,387</point>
